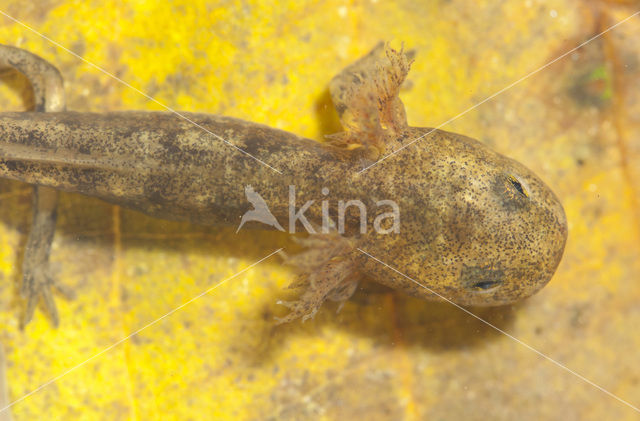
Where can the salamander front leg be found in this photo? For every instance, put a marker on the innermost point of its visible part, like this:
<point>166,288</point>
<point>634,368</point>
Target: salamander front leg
<point>365,95</point>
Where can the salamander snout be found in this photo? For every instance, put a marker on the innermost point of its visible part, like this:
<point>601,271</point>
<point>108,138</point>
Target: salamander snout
<point>524,236</point>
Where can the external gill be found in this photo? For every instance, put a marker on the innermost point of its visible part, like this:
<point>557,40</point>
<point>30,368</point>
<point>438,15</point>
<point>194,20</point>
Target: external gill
<point>327,270</point>
<point>366,97</point>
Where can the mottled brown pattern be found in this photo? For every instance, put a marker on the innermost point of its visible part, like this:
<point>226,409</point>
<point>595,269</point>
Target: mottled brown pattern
<point>475,226</point>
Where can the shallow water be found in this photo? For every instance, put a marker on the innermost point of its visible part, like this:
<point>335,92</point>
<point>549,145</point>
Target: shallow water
<point>385,355</point>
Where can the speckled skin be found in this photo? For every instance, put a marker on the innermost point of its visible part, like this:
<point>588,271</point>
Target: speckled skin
<point>471,235</point>
<point>475,226</point>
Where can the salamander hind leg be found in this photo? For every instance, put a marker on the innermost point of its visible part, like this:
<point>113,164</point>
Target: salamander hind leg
<point>365,95</point>
<point>37,279</point>
<point>327,270</point>
<point>48,91</point>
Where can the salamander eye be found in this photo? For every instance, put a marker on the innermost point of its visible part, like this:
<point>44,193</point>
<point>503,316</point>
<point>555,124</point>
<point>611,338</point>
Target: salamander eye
<point>511,192</point>
<point>485,285</point>
<point>481,279</point>
<point>518,186</point>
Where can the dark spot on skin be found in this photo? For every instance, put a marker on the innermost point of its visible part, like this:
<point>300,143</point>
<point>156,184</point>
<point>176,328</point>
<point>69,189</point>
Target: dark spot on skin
<point>155,197</point>
<point>171,147</point>
<point>12,165</point>
<point>84,149</point>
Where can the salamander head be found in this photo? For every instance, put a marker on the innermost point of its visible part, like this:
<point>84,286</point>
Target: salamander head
<point>477,227</point>
<point>521,230</point>
<point>505,228</point>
